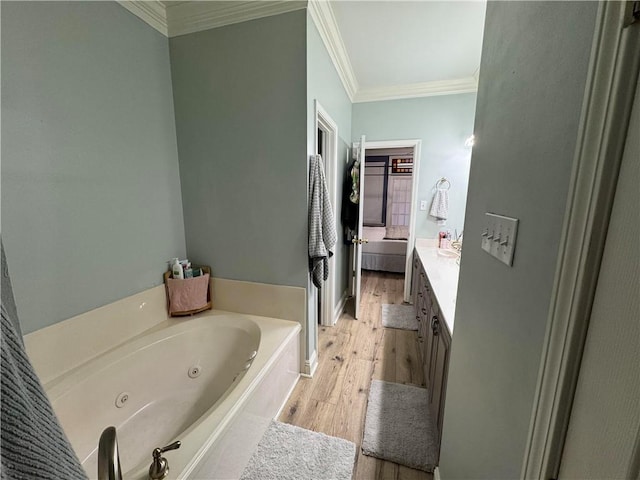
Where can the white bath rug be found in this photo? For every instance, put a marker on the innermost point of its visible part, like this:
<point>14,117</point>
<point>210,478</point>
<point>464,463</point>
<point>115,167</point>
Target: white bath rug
<point>399,427</point>
<point>399,316</point>
<point>287,452</point>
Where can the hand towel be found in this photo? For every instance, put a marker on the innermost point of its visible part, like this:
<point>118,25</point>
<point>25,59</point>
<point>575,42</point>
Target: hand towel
<point>322,225</point>
<point>440,205</point>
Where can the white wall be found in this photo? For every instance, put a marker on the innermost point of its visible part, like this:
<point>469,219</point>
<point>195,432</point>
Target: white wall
<point>532,80</point>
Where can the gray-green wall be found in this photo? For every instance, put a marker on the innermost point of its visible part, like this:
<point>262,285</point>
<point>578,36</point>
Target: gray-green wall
<point>91,207</point>
<point>443,123</point>
<point>324,85</point>
<point>240,102</point>
<point>532,82</point>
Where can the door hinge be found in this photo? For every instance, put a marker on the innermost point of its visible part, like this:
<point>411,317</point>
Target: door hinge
<point>632,13</point>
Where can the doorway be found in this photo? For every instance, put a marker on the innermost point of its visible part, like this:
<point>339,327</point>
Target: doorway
<point>326,145</point>
<point>390,195</point>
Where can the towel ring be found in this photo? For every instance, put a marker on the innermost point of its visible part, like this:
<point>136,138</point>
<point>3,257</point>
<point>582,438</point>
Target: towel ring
<point>442,181</point>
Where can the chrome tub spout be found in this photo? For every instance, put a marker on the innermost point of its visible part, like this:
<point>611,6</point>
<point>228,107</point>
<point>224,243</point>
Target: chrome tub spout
<point>108,457</point>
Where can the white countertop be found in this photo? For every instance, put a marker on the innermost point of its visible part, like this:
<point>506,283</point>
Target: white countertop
<point>443,271</point>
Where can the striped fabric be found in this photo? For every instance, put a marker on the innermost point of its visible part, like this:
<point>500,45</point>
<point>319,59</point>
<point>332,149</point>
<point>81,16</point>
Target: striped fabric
<point>322,225</point>
<point>34,445</point>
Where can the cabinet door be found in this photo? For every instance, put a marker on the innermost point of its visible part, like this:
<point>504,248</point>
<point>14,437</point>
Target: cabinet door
<point>430,345</point>
<point>427,293</point>
<point>440,368</point>
<point>422,324</point>
<point>422,314</point>
<point>415,272</point>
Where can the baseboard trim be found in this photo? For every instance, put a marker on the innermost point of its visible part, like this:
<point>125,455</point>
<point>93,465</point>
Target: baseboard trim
<point>436,474</point>
<point>340,307</point>
<point>310,366</point>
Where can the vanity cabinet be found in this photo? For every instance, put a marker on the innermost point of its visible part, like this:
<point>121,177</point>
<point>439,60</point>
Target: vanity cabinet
<point>434,341</point>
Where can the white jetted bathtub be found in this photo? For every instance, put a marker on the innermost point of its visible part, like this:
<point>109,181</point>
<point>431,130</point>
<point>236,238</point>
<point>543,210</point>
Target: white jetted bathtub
<point>213,382</point>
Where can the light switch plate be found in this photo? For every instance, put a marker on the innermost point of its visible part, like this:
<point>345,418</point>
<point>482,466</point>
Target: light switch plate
<point>423,205</point>
<point>499,237</point>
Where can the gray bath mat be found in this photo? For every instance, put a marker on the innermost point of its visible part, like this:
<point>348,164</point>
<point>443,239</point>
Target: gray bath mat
<point>399,316</point>
<point>398,426</point>
<point>287,452</point>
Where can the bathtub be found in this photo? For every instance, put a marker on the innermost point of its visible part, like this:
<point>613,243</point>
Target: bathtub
<point>213,382</point>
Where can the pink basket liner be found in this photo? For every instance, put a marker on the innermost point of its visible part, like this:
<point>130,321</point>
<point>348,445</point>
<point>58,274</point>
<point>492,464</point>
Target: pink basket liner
<point>188,294</point>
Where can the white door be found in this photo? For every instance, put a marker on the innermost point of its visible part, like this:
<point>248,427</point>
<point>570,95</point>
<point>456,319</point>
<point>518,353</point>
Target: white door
<point>358,240</point>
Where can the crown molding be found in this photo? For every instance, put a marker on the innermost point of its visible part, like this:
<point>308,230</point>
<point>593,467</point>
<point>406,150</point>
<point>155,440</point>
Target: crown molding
<point>413,90</point>
<point>476,75</point>
<point>325,21</point>
<point>189,17</point>
<point>153,12</point>
<point>180,18</point>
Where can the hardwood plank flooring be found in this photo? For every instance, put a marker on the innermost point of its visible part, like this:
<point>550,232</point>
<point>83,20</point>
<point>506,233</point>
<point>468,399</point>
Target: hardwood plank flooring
<point>351,353</point>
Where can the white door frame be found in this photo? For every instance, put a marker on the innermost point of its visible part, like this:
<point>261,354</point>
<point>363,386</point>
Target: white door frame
<point>611,82</point>
<point>415,144</point>
<point>324,122</point>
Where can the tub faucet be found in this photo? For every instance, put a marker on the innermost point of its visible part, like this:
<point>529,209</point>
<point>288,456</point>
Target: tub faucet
<point>108,457</point>
<point>160,467</point>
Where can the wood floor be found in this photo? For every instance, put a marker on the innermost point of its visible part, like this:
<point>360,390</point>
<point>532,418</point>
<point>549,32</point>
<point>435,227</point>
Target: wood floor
<point>351,353</point>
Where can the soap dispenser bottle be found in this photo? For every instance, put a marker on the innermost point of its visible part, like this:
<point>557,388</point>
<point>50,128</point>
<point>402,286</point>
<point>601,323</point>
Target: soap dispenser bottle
<point>176,269</point>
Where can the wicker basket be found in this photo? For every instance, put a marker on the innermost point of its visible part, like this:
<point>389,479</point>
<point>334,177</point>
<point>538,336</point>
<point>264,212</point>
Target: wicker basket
<point>190,295</point>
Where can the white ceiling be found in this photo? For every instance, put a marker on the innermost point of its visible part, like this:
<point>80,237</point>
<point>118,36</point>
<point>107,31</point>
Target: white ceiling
<point>392,43</point>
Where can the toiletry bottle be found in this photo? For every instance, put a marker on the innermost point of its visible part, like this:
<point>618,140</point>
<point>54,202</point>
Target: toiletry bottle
<point>444,242</point>
<point>176,269</point>
<point>188,271</point>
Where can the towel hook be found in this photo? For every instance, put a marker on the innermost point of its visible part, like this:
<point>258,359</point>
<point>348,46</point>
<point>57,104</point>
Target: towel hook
<point>442,181</point>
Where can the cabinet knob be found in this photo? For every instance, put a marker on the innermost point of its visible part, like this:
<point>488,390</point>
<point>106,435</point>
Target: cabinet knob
<point>424,311</point>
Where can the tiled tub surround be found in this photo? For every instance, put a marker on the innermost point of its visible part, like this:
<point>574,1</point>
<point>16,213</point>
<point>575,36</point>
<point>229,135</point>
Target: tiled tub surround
<point>220,409</point>
<point>63,346</point>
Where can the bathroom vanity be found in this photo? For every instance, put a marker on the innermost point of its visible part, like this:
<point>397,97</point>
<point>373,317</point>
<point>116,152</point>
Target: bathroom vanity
<point>434,287</point>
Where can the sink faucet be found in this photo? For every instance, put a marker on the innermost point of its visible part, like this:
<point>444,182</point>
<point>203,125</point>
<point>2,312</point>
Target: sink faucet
<point>108,458</point>
<point>160,467</point>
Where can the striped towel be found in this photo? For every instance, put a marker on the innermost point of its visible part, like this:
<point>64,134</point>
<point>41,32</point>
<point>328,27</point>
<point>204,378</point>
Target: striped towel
<point>440,205</point>
<point>322,225</point>
<point>34,445</point>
